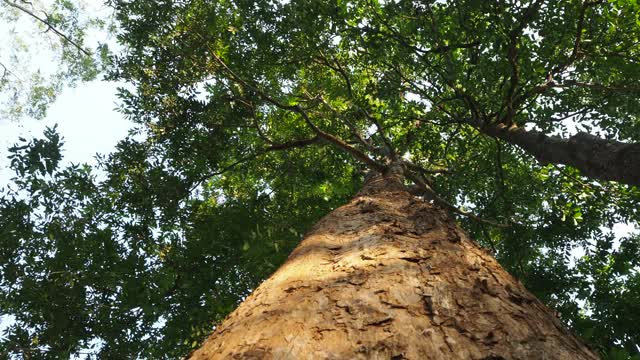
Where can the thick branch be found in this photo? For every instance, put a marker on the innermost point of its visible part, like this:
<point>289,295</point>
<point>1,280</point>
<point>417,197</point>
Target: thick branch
<point>595,157</point>
<point>359,155</point>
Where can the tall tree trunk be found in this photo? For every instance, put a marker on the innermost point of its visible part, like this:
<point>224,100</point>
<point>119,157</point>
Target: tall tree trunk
<point>595,157</point>
<point>389,276</point>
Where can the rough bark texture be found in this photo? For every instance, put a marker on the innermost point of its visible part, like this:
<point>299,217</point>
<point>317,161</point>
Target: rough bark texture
<point>594,157</point>
<point>389,276</point>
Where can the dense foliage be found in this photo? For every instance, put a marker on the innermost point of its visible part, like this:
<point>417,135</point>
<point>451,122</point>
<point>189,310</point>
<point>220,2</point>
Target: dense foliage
<point>255,118</point>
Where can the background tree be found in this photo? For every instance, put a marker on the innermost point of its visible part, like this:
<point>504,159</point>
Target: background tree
<point>46,47</point>
<point>256,118</point>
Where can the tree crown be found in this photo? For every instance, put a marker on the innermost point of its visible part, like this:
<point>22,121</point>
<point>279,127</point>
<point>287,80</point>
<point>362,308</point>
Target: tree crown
<point>258,117</point>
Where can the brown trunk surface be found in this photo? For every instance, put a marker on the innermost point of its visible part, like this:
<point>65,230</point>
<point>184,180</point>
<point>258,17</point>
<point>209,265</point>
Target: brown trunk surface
<point>595,157</point>
<point>389,276</point>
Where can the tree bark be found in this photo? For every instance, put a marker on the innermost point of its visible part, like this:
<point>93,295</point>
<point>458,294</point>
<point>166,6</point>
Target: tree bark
<point>390,276</point>
<point>595,157</point>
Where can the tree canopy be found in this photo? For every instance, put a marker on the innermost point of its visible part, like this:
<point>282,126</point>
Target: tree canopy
<point>255,118</point>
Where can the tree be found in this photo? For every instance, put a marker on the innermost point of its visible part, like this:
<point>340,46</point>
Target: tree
<point>388,276</point>
<point>257,118</point>
<point>45,51</point>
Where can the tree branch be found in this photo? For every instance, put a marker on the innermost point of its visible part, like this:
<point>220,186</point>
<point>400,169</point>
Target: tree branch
<point>49,26</point>
<point>440,49</point>
<point>606,88</point>
<point>422,170</point>
<point>293,144</point>
<point>350,125</point>
<point>339,69</point>
<point>512,56</point>
<point>575,55</point>
<point>274,147</point>
<point>359,155</point>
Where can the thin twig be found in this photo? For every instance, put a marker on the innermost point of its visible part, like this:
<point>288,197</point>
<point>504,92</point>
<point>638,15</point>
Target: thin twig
<point>422,170</point>
<point>512,56</point>
<point>606,88</point>
<point>489,240</point>
<point>339,69</point>
<point>576,53</point>
<point>274,147</point>
<point>431,194</point>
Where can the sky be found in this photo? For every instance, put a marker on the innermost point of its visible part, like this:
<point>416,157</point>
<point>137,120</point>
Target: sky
<point>86,118</point>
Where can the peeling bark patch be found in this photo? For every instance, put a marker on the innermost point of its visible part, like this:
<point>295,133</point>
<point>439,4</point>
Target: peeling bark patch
<point>379,321</point>
<point>294,288</point>
<point>367,206</point>
<point>485,287</point>
<point>256,354</point>
<point>427,303</point>
<point>423,221</point>
<point>453,235</point>
<point>411,259</point>
<point>518,299</point>
<point>358,278</point>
